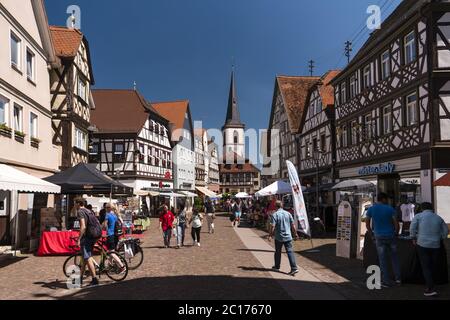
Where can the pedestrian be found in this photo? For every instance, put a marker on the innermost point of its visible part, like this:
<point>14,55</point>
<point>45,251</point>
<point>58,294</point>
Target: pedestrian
<point>102,214</point>
<point>166,225</point>
<point>382,223</point>
<point>181,226</point>
<point>428,230</point>
<point>210,215</point>
<point>90,232</point>
<point>283,227</point>
<point>237,211</point>
<point>196,221</point>
<point>113,226</point>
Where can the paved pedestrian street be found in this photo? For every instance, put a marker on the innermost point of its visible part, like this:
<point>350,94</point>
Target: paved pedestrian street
<point>230,264</point>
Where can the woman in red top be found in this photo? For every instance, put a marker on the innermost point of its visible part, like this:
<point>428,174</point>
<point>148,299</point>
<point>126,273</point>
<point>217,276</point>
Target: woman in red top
<point>166,224</point>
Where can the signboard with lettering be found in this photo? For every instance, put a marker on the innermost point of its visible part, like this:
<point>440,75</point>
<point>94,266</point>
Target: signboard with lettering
<point>384,168</point>
<point>344,230</point>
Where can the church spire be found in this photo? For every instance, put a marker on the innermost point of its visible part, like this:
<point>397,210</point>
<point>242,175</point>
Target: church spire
<point>233,119</point>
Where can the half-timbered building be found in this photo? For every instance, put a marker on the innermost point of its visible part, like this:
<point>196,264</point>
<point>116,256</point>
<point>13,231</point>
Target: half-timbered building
<point>201,165</point>
<point>71,99</point>
<point>182,137</point>
<point>317,141</point>
<point>288,106</point>
<point>393,107</point>
<point>131,142</point>
<point>213,172</point>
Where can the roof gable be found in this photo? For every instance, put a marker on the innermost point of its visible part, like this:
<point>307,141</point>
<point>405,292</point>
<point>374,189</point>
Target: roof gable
<point>119,111</point>
<point>294,91</point>
<point>175,112</point>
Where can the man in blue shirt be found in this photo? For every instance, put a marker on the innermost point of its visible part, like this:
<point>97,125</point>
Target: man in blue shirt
<point>382,222</point>
<point>428,230</point>
<point>283,226</point>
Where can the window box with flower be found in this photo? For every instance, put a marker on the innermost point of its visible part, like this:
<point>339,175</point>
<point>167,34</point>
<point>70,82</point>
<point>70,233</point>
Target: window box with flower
<point>35,142</point>
<point>5,130</point>
<point>19,136</point>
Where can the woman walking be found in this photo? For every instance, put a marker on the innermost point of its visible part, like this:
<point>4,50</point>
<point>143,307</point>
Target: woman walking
<point>181,226</point>
<point>197,221</point>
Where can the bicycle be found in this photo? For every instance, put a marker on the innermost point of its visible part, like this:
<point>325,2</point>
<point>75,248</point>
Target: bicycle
<point>135,257</point>
<point>107,265</point>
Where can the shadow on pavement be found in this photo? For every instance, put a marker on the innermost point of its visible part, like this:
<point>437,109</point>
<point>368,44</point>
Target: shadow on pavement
<point>195,288</point>
<point>6,260</point>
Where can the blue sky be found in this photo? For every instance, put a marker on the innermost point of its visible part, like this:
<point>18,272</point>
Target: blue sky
<point>183,49</point>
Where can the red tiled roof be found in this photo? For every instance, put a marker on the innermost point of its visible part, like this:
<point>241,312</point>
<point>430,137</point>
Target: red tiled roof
<point>237,168</point>
<point>295,93</point>
<point>326,89</point>
<point>66,41</point>
<point>119,111</point>
<point>175,112</point>
<point>443,181</point>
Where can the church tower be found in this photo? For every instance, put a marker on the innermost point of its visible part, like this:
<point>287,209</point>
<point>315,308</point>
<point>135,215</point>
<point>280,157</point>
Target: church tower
<point>233,129</point>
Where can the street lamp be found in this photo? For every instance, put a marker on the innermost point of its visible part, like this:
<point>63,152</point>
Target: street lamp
<point>316,157</point>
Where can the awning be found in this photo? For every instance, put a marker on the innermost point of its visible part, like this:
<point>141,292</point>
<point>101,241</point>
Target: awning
<point>15,180</point>
<point>189,194</point>
<point>443,182</point>
<point>146,193</point>
<point>172,195</point>
<point>242,195</point>
<point>206,192</point>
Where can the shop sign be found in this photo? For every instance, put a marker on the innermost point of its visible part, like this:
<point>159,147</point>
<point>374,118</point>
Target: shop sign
<point>160,185</point>
<point>384,168</point>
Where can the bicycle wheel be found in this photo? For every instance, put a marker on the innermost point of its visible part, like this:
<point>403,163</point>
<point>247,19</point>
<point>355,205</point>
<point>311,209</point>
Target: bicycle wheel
<point>137,259</point>
<point>113,269</point>
<point>74,260</point>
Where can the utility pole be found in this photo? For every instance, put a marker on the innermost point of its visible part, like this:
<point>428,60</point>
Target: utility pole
<point>348,50</point>
<point>311,67</point>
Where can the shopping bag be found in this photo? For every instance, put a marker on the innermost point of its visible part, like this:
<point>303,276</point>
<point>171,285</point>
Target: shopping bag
<point>128,251</point>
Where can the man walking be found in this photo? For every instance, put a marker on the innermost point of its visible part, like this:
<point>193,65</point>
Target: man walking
<point>382,222</point>
<point>282,226</point>
<point>166,225</point>
<point>428,230</point>
<point>90,232</point>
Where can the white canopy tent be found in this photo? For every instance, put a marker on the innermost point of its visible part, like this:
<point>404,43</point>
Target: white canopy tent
<point>276,188</point>
<point>15,180</point>
<point>189,194</point>
<point>242,195</point>
<point>172,195</point>
<point>145,193</point>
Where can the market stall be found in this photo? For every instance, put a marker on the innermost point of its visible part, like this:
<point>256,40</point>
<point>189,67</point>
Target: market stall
<point>17,224</point>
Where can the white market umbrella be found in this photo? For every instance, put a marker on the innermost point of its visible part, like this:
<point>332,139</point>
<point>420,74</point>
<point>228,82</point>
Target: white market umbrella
<point>276,188</point>
<point>355,183</point>
<point>242,195</point>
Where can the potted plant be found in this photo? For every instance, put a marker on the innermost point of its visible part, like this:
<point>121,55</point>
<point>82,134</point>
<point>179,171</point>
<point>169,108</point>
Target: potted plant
<point>19,136</point>
<point>35,142</point>
<point>5,130</point>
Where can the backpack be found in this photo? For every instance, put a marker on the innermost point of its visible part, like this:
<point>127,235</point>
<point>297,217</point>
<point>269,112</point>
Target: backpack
<point>118,228</point>
<point>93,227</point>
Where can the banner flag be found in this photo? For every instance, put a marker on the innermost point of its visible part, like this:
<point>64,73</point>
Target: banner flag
<point>301,217</point>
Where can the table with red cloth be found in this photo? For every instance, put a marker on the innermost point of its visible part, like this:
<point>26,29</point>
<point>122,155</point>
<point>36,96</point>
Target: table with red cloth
<point>54,243</point>
<point>58,243</point>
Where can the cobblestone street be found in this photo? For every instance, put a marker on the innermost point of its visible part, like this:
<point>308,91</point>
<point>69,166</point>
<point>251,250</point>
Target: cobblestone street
<point>222,268</point>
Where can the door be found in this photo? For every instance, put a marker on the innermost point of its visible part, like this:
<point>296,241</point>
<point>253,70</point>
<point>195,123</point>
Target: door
<point>390,184</point>
<point>5,236</point>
